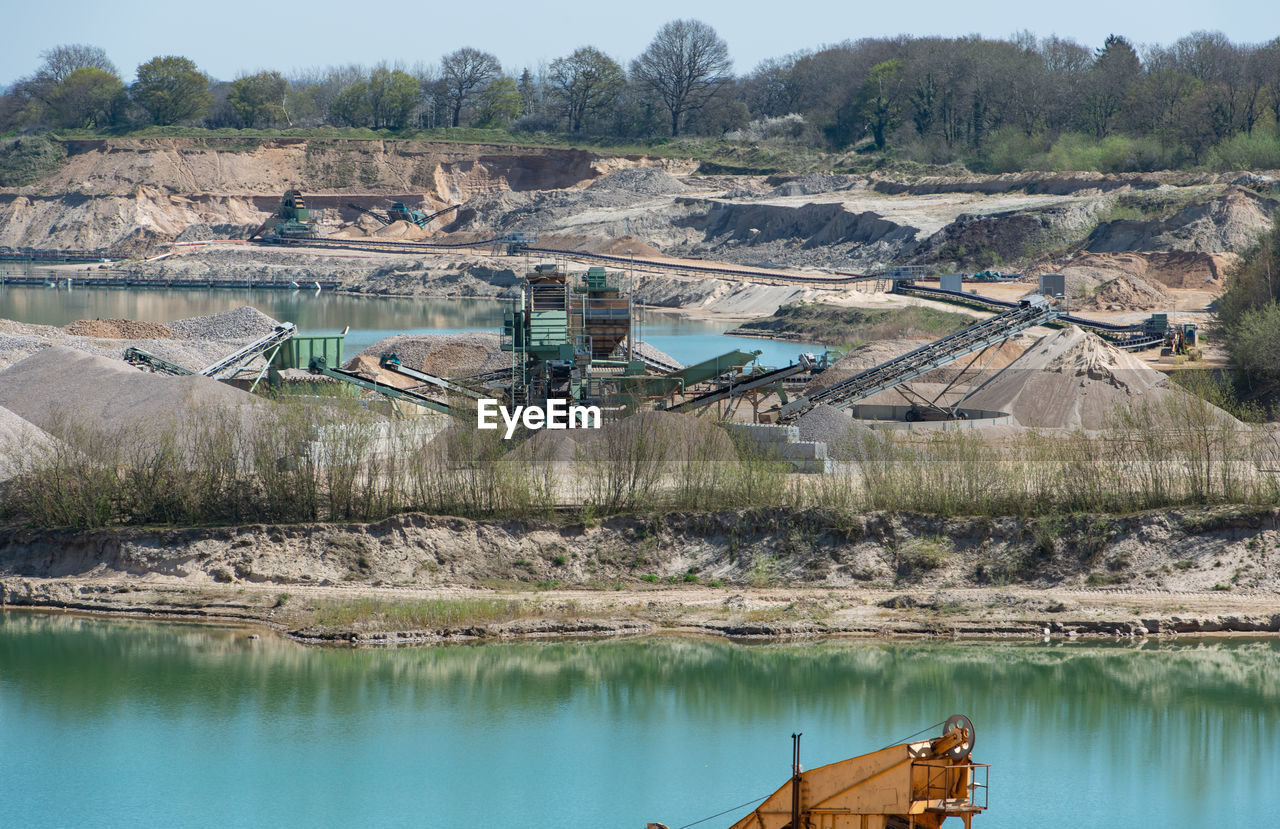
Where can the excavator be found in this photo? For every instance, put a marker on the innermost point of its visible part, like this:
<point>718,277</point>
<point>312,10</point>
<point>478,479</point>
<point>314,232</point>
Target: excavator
<point>912,785</point>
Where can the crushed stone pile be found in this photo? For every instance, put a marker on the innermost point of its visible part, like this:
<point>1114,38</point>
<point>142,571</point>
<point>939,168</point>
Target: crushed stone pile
<point>444,355</point>
<point>814,183</point>
<point>846,438</point>
<point>1074,380</point>
<point>240,323</point>
<point>640,180</point>
<point>118,329</point>
<point>61,387</point>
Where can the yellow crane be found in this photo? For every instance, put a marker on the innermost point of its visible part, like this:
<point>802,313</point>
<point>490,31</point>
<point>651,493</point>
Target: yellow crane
<point>912,785</point>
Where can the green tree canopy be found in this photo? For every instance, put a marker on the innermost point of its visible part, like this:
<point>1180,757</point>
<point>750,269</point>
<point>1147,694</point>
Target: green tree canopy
<point>500,103</point>
<point>171,89</point>
<point>584,83</point>
<point>88,97</point>
<point>393,95</point>
<point>258,100</point>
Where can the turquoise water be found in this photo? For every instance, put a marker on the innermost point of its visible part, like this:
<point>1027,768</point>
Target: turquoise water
<point>370,318</point>
<point>122,724</point>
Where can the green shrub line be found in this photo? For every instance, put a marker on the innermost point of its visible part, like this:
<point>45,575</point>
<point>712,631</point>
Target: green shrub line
<point>299,461</point>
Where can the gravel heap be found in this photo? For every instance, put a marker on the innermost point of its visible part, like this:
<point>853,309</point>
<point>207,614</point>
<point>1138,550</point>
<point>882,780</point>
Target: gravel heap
<point>444,355</point>
<point>19,340</point>
<point>644,181</point>
<point>65,384</point>
<point>242,323</point>
<point>115,329</point>
<point>1074,380</point>
<point>844,436</point>
<point>814,183</point>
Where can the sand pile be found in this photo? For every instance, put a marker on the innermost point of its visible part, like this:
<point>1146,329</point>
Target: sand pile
<point>1073,380</point>
<point>1172,269</point>
<point>18,438</point>
<point>62,386</point>
<point>858,360</point>
<point>444,355</point>
<point>115,329</point>
<point>1125,293</point>
<point>400,229</point>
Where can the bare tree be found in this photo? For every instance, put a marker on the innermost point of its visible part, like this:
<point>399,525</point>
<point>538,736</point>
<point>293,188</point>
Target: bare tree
<point>465,73</point>
<point>61,61</point>
<point>584,83</point>
<point>685,64</point>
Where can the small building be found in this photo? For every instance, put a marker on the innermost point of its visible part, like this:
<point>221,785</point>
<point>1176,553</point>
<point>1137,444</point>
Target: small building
<point>951,282</point>
<point>1053,285</point>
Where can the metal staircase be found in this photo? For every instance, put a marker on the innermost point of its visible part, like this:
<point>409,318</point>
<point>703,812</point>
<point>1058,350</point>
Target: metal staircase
<point>895,372</point>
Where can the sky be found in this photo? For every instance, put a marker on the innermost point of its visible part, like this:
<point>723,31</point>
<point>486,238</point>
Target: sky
<point>228,38</point>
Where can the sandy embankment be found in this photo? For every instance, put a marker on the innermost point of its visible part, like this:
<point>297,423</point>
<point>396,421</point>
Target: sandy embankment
<point>757,573</point>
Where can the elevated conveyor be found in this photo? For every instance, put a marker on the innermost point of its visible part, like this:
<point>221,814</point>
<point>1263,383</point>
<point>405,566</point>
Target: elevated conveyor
<point>911,365</point>
<point>741,385</point>
<point>320,366</point>
<point>224,368</point>
<point>227,367</point>
<point>391,363</point>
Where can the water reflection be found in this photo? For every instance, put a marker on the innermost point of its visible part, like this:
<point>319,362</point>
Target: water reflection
<point>369,318</point>
<point>617,733</point>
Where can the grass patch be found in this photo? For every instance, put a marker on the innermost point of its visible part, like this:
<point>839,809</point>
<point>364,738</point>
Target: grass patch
<point>417,614</point>
<point>833,325</point>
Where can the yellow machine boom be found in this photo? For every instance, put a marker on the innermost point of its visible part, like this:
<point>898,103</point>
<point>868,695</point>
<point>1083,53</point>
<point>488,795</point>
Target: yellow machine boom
<point>910,785</point>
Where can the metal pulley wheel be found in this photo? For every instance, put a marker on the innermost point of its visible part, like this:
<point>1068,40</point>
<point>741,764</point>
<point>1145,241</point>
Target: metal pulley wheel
<point>962,723</point>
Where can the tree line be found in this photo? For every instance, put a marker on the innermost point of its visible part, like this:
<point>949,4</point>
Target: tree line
<point>994,105</point>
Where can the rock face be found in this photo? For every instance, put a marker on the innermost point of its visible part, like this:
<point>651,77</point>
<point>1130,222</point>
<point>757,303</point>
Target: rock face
<point>125,197</point>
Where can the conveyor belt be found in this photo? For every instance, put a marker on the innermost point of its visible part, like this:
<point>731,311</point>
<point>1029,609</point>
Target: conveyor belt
<point>902,369</point>
<point>739,385</point>
<point>230,364</point>
<point>391,363</point>
<point>319,366</point>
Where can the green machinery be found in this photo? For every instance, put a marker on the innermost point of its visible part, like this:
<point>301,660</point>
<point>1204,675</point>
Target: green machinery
<point>567,337</point>
<point>292,220</point>
<point>400,211</point>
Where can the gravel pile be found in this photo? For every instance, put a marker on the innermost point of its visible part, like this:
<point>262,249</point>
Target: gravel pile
<point>116,329</point>
<point>19,341</point>
<point>644,181</point>
<point>844,436</point>
<point>63,384</point>
<point>444,355</point>
<point>242,323</point>
<point>812,184</point>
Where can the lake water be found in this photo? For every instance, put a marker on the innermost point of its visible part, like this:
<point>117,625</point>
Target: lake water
<point>124,724</point>
<point>370,318</point>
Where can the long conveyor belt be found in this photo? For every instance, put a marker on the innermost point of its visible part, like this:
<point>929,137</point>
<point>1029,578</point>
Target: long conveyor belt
<point>319,366</point>
<point>233,362</point>
<point>938,353</point>
<point>741,385</point>
<point>391,363</point>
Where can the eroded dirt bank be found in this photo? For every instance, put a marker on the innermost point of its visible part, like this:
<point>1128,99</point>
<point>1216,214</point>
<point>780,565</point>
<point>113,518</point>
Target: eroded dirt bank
<point>757,573</point>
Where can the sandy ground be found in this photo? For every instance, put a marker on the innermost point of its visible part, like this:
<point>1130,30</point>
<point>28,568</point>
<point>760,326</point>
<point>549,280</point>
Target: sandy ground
<point>733,611</point>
